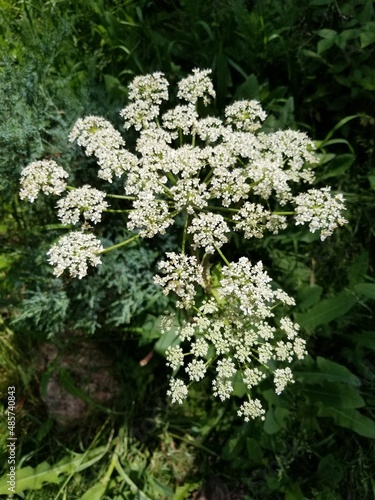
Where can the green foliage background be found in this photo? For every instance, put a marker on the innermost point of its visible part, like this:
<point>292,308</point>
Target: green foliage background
<point>310,63</point>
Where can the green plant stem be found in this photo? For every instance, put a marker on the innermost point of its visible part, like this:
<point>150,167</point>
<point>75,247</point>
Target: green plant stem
<point>121,197</point>
<point>222,256</point>
<point>113,247</point>
<point>112,211</point>
<point>184,233</point>
<point>133,487</point>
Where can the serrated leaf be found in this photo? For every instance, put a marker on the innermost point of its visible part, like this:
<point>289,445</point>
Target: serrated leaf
<point>325,311</point>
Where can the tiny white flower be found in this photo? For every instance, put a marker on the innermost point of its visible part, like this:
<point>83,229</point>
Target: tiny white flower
<point>196,370</point>
<point>321,210</point>
<point>282,377</point>
<point>175,356</point>
<point>195,86</point>
<point>74,252</point>
<point>86,201</point>
<point>251,410</point>
<point>245,115</point>
<point>44,175</point>
<point>209,231</point>
<point>178,390</point>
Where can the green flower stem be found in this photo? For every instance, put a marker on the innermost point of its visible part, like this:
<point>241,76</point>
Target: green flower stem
<point>283,213</point>
<point>115,211</point>
<point>121,197</point>
<point>208,176</point>
<point>184,233</point>
<point>223,209</point>
<point>171,177</point>
<point>222,256</point>
<point>136,236</point>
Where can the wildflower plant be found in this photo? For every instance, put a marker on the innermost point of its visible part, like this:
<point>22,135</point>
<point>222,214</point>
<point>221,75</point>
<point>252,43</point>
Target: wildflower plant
<point>219,176</point>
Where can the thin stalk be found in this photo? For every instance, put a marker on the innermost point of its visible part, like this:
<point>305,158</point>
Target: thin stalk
<point>222,256</point>
<point>113,247</point>
<point>184,233</point>
<point>121,197</point>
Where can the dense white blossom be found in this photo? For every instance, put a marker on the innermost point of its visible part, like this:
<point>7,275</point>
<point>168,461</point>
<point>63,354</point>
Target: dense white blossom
<point>101,139</point>
<point>252,377</point>
<point>174,356</point>
<point>253,219</point>
<point>74,252</point>
<point>190,194</point>
<point>150,216</point>
<point>86,201</point>
<point>251,410</point>
<point>222,388</point>
<point>217,175</point>
<point>178,390</point>
<point>282,377</point>
<point>44,175</point>
<point>182,272</point>
<point>150,88</point>
<point>195,86</point>
<point>320,210</point>
<point>245,115</point>
<point>196,370</point>
<point>209,231</point>
<point>182,117</point>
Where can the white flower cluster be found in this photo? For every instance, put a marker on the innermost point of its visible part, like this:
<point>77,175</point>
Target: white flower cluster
<point>101,139</point>
<point>182,272</point>
<point>321,210</point>
<point>46,176</point>
<point>73,252</point>
<point>86,200</point>
<point>209,231</point>
<point>217,176</point>
<point>241,331</point>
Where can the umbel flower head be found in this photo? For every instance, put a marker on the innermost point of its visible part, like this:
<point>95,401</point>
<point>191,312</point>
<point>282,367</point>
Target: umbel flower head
<point>44,175</point>
<point>211,177</point>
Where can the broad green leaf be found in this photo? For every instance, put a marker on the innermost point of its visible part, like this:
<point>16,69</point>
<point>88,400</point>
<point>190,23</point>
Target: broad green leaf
<point>325,311</point>
<point>275,420</point>
<point>329,371</point>
<point>366,289</point>
<point>239,388</point>
<point>254,450</point>
<point>29,478</point>
<point>357,270</point>
<point>350,419</point>
<point>365,339</point>
<point>335,395</point>
<point>329,470</point>
<point>342,373</point>
<point>367,36</point>
<point>94,493</point>
<point>326,33</point>
<point>169,338</point>
<point>309,296</point>
<point>338,165</point>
